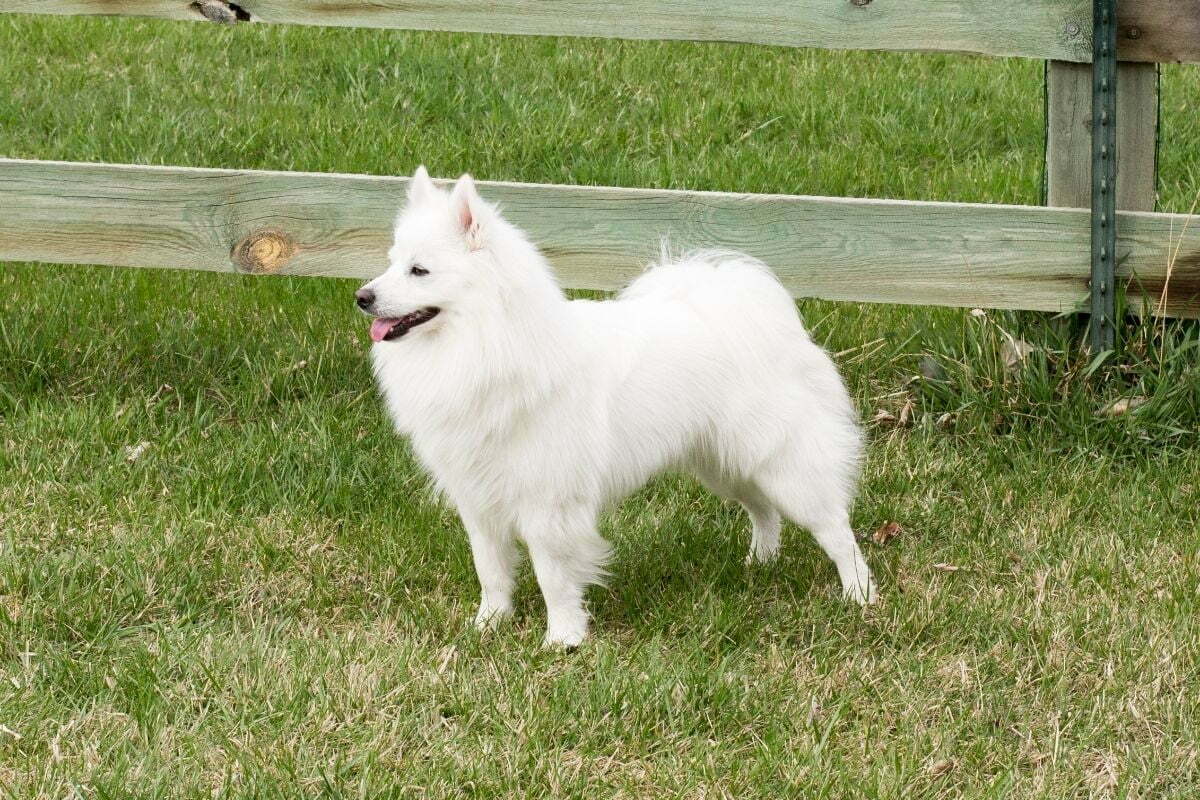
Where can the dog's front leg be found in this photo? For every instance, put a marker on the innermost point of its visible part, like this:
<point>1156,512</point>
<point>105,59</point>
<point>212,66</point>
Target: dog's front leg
<point>496,559</point>
<point>567,555</point>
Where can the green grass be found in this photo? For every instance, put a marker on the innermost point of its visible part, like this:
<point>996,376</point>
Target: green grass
<point>267,602</point>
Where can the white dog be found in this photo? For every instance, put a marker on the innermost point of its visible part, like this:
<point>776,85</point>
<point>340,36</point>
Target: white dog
<point>534,412</point>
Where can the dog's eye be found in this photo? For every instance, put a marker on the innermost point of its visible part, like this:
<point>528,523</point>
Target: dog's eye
<point>418,271</point>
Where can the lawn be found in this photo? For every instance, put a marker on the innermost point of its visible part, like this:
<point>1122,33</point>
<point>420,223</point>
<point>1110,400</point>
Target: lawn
<point>222,576</point>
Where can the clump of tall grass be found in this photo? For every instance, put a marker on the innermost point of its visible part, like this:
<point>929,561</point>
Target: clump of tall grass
<point>1011,373</point>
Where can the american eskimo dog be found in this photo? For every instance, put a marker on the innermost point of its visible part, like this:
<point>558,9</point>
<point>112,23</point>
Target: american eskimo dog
<point>533,413</point>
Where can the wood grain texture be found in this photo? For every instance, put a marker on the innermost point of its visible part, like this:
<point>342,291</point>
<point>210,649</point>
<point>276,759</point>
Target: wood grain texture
<point>1158,30</point>
<point>1164,30</point>
<point>596,237</point>
<point>1069,132</point>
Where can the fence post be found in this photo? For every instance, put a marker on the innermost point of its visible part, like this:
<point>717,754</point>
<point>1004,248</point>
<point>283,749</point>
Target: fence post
<point>1102,327</point>
<point>1069,124</point>
<point>1070,155</point>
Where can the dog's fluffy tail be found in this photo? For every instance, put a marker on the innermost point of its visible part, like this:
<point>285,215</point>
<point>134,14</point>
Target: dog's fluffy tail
<point>723,280</point>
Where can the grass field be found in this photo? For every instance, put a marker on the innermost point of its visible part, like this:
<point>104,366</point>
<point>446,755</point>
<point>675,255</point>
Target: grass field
<point>222,576</point>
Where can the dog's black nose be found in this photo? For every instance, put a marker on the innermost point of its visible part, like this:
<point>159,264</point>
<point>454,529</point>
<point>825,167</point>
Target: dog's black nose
<point>365,298</point>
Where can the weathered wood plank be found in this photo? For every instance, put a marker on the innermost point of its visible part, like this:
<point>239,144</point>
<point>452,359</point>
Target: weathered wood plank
<point>596,237</point>
<point>1069,131</point>
<point>1162,30</point>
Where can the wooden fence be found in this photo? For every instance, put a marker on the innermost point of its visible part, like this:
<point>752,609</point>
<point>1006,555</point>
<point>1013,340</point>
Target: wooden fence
<point>1027,257</point>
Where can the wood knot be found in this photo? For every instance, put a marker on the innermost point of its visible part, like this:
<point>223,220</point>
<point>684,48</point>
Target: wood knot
<point>221,12</point>
<point>1075,35</point>
<point>264,252</point>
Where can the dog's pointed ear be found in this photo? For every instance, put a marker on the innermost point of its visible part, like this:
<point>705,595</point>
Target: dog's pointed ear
<point>420,188</point>
<point>469,210</point>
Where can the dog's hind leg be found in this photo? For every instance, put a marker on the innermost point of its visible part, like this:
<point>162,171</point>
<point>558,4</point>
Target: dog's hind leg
<point>765,524</point>
<point>836,538</point>
<point>568,554</point>
<point>815,501</point>
<point>496,560</point>
<point>765,521</point>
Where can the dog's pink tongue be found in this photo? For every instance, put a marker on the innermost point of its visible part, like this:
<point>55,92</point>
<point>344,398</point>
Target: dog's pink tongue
<point>380,327</point>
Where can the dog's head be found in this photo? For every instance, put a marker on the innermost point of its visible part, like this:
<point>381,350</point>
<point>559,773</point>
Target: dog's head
<point>438,258</point>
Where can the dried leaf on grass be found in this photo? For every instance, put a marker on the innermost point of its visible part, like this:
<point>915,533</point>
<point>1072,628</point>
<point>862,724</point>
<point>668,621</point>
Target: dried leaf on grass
<point>886,532</point>
<point>135,451</point>
<point>1124,405</point>
<point>905,418</point>
<point>1014,352</point>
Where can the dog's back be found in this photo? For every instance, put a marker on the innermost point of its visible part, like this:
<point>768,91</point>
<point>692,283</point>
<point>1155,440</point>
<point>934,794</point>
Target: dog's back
<point>706,359</point>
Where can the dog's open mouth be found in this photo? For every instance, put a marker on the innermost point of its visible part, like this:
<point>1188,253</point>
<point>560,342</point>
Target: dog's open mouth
<point>384,329</point>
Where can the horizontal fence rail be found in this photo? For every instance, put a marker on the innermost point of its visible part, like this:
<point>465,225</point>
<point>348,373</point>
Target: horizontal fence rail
<point>1149,30</point>
<point>596,237</point>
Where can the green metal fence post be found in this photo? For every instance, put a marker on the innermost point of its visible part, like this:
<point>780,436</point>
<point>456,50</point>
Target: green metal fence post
<point>1104,174</point>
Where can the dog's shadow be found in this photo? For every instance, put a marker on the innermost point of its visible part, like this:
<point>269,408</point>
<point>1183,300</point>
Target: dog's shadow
<point>679,567</point>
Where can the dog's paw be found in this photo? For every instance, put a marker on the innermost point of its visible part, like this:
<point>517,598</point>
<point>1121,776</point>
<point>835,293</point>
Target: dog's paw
<point>488,618</point>
<point>863,593</point>
<point>564,643</point>
<point>566,636</point>
<point>761,556</point>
